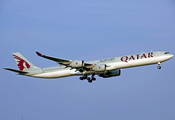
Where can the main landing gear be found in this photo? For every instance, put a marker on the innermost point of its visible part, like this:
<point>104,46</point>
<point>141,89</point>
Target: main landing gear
<point>159,67</point>
<point>88,78</point>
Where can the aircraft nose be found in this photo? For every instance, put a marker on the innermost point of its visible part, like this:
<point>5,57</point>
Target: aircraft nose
<point>171,55</point>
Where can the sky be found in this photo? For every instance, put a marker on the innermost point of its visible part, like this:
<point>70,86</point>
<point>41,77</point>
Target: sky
<point>87,30</point>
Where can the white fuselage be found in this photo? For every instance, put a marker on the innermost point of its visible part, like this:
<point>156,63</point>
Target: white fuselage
<point>112,64</point>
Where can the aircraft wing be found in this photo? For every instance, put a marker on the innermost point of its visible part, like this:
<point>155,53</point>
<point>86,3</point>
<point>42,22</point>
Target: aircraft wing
<point>63,61</point>
<point>58,60</point>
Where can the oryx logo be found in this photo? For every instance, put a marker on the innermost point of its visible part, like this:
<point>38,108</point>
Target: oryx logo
<point>21,63</point>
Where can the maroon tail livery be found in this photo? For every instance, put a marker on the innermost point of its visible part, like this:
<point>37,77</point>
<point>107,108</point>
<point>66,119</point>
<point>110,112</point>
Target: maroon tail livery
<point>21,63</point>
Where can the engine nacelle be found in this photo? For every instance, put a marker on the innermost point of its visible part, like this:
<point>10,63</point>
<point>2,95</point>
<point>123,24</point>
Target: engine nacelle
<point>111,74</point>
<point>76,63</point>
<point>99,67</point>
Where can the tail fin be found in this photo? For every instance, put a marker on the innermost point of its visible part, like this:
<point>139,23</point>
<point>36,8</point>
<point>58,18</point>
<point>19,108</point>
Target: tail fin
<point>22,62</point>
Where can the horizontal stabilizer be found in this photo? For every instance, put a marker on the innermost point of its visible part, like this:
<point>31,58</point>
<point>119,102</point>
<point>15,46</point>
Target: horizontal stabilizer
<point>17,71</point>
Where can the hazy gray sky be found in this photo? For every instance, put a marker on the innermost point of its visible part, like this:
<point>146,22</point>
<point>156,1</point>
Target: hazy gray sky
<point>87,30</point>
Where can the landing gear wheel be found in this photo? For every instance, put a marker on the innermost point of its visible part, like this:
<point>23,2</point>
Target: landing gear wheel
<point>81,78</point>
<point>93,79</point>
<point>90,81</point>
<point>159,67</point>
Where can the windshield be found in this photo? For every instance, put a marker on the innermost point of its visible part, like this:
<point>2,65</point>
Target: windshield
<point>167,53</point>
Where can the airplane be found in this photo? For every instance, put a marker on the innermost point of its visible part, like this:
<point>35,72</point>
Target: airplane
<point>106,68</point>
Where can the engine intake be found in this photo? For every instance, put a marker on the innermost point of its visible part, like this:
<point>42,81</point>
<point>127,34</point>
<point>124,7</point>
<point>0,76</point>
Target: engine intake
<point>99,67</point>
<point>76,63</point>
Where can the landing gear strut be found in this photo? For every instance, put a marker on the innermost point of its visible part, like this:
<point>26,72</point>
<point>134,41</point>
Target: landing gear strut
<point>93,78</point>
<point>159,67</point>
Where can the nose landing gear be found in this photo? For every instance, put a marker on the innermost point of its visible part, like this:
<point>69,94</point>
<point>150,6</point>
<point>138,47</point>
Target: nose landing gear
<point>159,67</point>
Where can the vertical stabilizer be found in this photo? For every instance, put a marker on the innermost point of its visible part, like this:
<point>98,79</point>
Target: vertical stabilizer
<point>22,62</point>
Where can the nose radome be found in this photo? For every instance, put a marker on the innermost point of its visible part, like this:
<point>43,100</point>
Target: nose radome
<point>171,55</point>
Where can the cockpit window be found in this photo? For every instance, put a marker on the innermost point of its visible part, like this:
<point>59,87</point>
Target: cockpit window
<point>167,53</point>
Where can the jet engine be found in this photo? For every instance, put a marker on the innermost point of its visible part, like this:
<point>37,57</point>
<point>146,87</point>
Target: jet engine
<point>76,63</point>
<point>99,67</point>
<point>111,73</point>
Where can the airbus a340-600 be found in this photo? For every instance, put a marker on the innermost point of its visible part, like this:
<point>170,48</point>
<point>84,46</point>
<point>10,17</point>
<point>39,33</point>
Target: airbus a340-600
<point>105,68</point>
